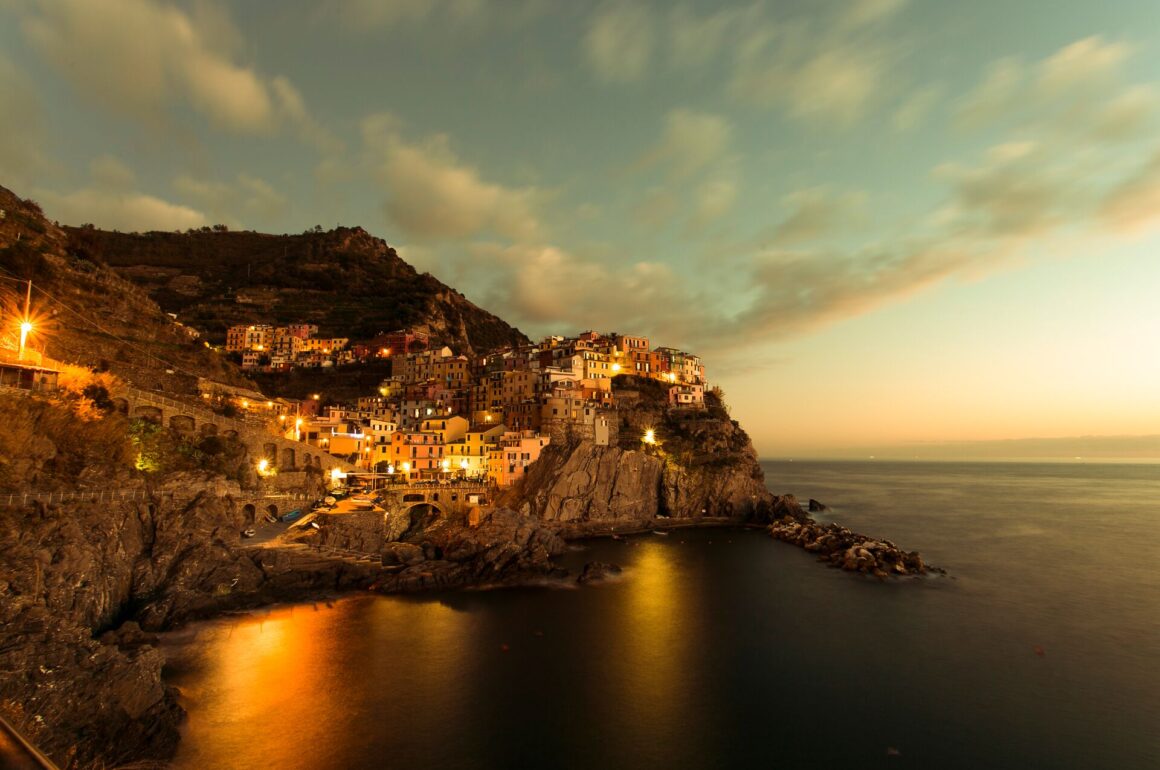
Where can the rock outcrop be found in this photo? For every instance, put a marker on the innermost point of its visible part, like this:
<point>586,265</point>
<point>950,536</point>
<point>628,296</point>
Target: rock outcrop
<point>442,552</point>
<point>589,483</point>
<point>842,548</point>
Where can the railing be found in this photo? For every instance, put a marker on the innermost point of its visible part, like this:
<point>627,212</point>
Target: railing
<point>17,753</point>
<point>83,496</point>
<point>120,496</point>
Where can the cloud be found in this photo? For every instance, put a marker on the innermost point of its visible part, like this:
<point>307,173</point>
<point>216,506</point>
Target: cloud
<point>431,194</point>
<point>376,14</point>
<point>657,208</point>
<point>714,199</point>
<point>111,210</point>
<point>817,213</point>
<point>828,74</point>
<point>109,173</point>
<point>546,287</point>
<point>1083,64</point>
<point>1128,114</point>
<point>618,45</point>
<point>21,127</point>
<point>1015,192</point>
<point>860,13</point>
<point>691,142</point>
<point>695,41</point>
<point>142,57</point>
<point>1134,205</point>
<point>1070,85</point>
<point>912,112</point>
<point>245,202</point>
<point>994,96</point>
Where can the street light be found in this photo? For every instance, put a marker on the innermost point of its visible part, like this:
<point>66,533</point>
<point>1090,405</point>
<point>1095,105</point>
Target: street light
<point>25,330</point>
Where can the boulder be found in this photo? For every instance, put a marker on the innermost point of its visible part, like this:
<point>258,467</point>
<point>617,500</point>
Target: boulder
<point>596,570</point>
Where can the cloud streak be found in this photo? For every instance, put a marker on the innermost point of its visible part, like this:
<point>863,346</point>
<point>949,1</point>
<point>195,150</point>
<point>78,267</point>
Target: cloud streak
<point>143,58</point>
<point>431,194</point>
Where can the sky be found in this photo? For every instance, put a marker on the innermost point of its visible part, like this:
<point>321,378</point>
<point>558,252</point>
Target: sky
<point>880,222</point>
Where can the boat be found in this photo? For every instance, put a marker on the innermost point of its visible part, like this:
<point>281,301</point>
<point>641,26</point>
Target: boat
<point>292,515</point>
<point>249,532</point>
<point>658,532</point>
<point>270,518</point>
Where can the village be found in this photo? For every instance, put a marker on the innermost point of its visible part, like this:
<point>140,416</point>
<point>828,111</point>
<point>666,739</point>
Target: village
<point>443,416</point>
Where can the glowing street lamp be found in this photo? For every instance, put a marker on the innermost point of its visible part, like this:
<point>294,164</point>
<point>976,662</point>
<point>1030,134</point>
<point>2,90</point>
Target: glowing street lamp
<point>650,437</point>
<point>25,330</point>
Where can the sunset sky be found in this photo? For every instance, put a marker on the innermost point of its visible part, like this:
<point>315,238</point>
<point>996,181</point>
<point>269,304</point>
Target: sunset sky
<point>881,222</point>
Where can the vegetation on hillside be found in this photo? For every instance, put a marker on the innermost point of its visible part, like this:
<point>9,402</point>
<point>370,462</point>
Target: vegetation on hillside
<point>346,281</point>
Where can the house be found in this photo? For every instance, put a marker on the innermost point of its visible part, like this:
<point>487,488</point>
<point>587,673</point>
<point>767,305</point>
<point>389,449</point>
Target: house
<point>508,462</point>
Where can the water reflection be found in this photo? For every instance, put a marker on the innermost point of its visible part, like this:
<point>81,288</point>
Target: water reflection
<point>653,654</point>
<point>293,681</point>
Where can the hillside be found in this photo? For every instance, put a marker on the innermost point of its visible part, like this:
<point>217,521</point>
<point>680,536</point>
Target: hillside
<point>346,281</point>
<point>85,313</point>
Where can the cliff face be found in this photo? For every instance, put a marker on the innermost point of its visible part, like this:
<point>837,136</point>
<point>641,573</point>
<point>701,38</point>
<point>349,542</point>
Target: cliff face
<point>78,584</point>
<point>701,464</point>
<point>346,281</point>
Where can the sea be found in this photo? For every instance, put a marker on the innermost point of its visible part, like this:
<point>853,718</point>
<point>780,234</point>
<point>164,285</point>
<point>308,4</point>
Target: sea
<point>721,648</point>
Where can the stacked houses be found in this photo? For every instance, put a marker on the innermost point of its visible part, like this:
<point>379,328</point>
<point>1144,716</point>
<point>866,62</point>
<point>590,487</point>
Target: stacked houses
<point>443,416</point>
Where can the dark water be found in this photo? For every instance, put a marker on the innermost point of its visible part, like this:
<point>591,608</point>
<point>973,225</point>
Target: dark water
<point>726,649</point>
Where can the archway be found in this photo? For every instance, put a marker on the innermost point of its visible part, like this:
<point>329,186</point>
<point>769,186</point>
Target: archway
<point>272,510</point>
<point>422,514</point>
<point>208,429</point>
<point>146,412</point>
<point>287,458</point>
<point>250,512</point>
<point>182,423</point>
<point>270,452</point>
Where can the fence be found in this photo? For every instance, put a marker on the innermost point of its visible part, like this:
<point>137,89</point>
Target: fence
<point>120,496</point>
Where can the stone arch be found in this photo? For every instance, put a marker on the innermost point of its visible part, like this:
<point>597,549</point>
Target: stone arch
<point>318,461</point>
<point>272,510</point>
<point>250,512</point>
<point>182,423</point>
<point>147,412</point>
<point>207,429</point>
<point>287,458</point>
<point>414,497</point>
<point>307,461</point>
<point>270,452</point>
<point>419,511</point>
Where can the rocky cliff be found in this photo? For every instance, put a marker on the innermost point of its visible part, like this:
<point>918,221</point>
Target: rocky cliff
<point>79,584</point>
<point>700,464</point>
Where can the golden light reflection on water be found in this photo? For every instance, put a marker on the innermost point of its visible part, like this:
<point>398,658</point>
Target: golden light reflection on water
<point>657,642</point>
<point>289,679</point>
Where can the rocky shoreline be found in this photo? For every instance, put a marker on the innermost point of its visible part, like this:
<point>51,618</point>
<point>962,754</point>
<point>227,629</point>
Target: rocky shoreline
<point>842,548</point>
